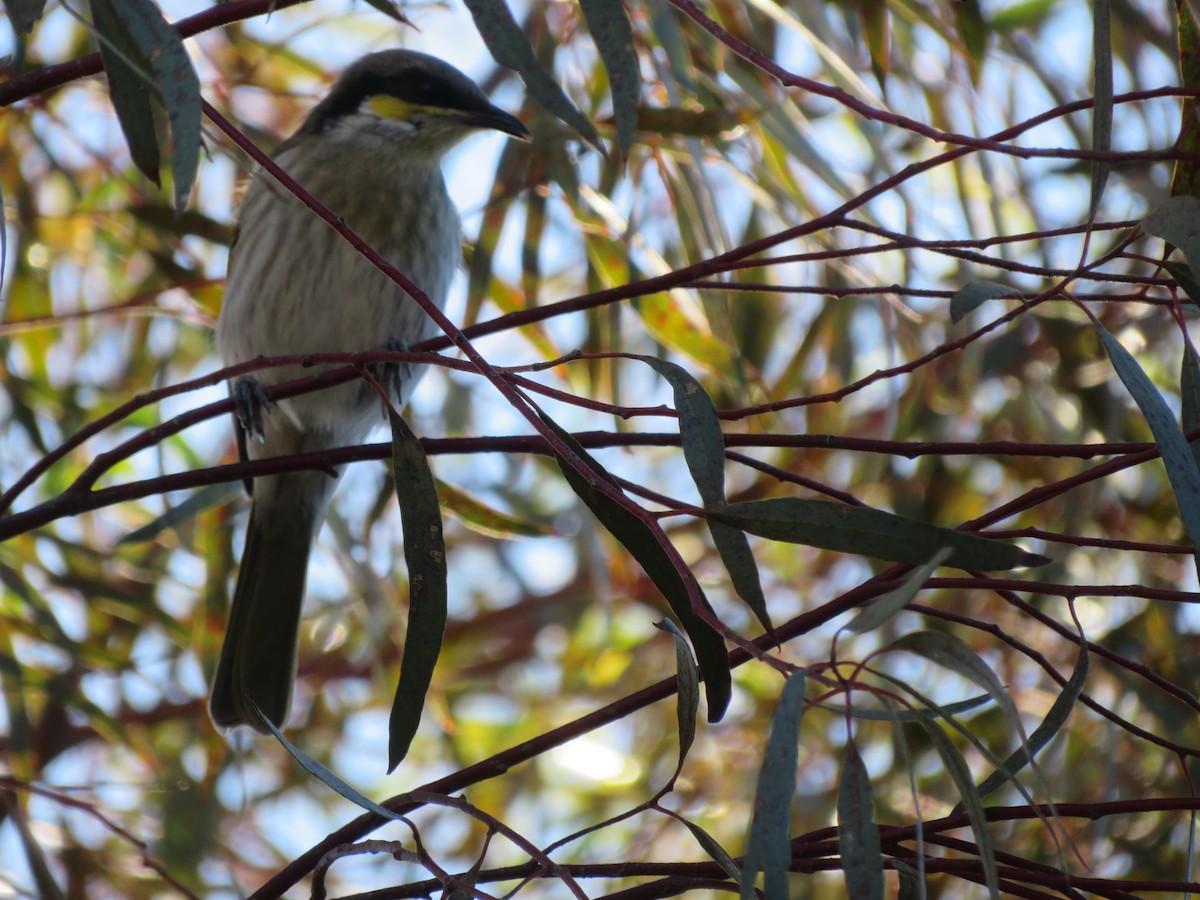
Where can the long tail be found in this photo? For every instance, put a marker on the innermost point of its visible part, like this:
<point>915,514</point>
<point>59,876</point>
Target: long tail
<point>258,659</point>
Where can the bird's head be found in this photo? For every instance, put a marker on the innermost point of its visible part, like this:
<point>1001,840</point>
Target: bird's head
<point>412,98</point>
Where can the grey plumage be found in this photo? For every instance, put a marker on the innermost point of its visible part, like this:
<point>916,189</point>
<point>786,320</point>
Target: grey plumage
<point>370,151</point>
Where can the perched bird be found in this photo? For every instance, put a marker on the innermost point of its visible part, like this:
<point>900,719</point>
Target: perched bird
<point>371,152</point>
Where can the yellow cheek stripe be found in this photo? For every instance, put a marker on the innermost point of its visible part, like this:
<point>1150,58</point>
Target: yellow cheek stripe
<point>392,107</point>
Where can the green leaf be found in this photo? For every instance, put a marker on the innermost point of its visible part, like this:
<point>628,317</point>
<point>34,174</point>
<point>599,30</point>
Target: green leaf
<point>642,543</point>
<point>869,532</point>
<point>510,47</point>
<point>1177,221</point>
<point>769,849</point>
<point>688,692</point>
<point>389,9</point>
<point>1102,104</point>
<point>155,62</point>
<point>1183,471</point>
<point>425,554</point>
<point>1059,712</point>
<point>969,298</point>
<point>951,653</point>
<point>858,835</point>
<point>960,774</point>
<point>608,22</point>
<point>716,852</point>
<point>910,881</point>
<point>900,715</point>
<point>312,767</point>
<point>704,451</point>
<point>129,73</point>
<point>883,608</point>
<point>480,517</point>
<point>699,430</point>
<point>24,14</point>
<point>1182,273</point>
<point>1189,391</point>
<point>205,498</point>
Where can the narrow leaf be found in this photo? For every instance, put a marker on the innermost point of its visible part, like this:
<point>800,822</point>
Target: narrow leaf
<point>480,517</point>
<point>969,298</point>
<point>129,78</point>
<point>312,767</point>
<point>960,774</point>
<point>160,55</point>
<point>1182,273</point>
<point>510,47</point>
<point>24,14</point>
<point>704,451</point>
<point>910,881</point>
<point>768,849</point>
<point>1102,104</point>
<point>389,9</point>
<point>951,653</point>
<point>1177,222</point>
<point>688,692</point>
<point>716,852</point>
<point>900,715</point>
<point>205,498</point>
<point>858,835</point>
<point>643,545</point>
<point>1183,471</point>
<point>891,603</point>
<point>699,430</point>
<point>425,554</point>
<point>734,549</point>
<point>1059,712</point>
<point>608,22</point>
<point>1189,389</point>
<point>869,532</point>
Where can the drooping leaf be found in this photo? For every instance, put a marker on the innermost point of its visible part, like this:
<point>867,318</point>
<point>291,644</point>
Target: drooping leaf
<point>425,554</point>
<point>768,848</point>
<point>1102,105</point>
<point>883,608</point>
<point>1059,712</point>
<point>858,834</point>
<point>1189,391</point>
<point>688,692</point>
<point>1186,180</point>
<point>1183,471</point>
<point>704,451</point>
<point>643,545</point>
<point>480,517</point>
<point>155,63</point>
<point>716,852</point>
<point>389,9</point>
<point>608,22</point>
<point>1177,221</point>
<point>205,498</point>
<point>960,774</point>
<point>1182,273</point>
<point>510,47</point>
<point>969,298</point>
<point>130,76</point>
<point>322,773</point>
<point>900,715</point>
<point>24,14</point>
<point>869,532</point>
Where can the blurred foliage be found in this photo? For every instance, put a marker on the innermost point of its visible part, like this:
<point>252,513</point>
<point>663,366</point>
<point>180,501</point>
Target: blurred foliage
<point>717,240</point>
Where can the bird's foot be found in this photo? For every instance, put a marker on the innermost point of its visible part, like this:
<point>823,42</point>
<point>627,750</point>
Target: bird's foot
<point>392,375</point>
<point>249,400</point>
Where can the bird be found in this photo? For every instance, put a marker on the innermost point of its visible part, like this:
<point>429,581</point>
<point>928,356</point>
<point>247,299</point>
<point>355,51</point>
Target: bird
<point>371,152</point>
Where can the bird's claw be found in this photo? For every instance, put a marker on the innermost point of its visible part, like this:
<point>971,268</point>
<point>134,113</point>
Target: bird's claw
<point>392,375</point>
<point>249,400</point>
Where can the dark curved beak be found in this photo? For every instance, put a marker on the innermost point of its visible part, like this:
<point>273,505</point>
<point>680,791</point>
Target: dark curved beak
<point>495,118</point>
